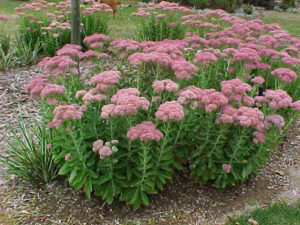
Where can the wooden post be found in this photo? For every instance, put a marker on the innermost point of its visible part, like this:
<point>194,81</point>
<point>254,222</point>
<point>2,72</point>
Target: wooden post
<point>75,33</point>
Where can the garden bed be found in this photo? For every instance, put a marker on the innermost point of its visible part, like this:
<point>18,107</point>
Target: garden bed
<point>181,201</point>
<point>234,90</point>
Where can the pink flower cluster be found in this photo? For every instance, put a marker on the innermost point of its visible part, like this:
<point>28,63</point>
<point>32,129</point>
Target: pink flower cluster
<point>258,80</point>
<point>170,111</point>
<point>39,87</point>
<point>277,99</point>
<point>183,69</point>
<point>63,113</point>
<point>52,89</point>
<point>244,116</point>
<point>296,106</point>
<point>96,40</point>
<point>285,74</point>
<point>127,102</point>
<point>3,18</point>
<point>226,168</point>
<point>36,85</point>
<point>104,150</point>
<point>210,99</point>
<point>70,50</point>
<point>121,45</point>
<point>204,58</point>
<point>145,131</point>
<point>235,90</point>
<point>105,80</point>
<point>138,59</point>
<point>276,120</point>
<point>167,84</point>
<point>57,64</point>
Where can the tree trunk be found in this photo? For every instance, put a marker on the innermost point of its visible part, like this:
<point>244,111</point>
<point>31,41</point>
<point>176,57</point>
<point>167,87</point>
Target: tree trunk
<point>75,33</point>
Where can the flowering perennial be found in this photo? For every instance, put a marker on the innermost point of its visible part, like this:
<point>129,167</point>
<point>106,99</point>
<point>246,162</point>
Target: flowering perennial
<point>170,111</point>
<point>285,74</point>
<point>167,84</point>
<point>146,131</point>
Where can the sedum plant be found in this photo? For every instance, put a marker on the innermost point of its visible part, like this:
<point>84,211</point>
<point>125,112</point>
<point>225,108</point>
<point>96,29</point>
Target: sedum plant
<point>28,153</point>
<point>216,102</point>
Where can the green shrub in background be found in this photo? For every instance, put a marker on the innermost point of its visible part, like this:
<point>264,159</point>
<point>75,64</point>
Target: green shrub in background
<point>285,4</point>
<point>268,4</point>
<point>28,154</point>
<point>228,5</point>
<point>200,4</point>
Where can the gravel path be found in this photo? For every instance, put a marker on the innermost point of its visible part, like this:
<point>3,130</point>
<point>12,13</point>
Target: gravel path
<point>182,202</point>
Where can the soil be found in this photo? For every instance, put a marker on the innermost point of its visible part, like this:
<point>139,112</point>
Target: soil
<point>181,202</point>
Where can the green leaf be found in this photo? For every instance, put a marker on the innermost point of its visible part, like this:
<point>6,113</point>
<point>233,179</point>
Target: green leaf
<point>72,175</point>
<point>246,171</point>
<point>88,187</point>
<point>64,169</point>
<point>144,198</point>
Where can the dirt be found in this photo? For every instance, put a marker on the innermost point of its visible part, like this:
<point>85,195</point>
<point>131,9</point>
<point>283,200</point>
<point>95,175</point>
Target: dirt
<point>181,202</point>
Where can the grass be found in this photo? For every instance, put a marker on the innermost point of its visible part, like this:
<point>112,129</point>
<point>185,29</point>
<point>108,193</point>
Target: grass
<point>123,26</point>
<point>276,214</point>
<point>287,21</point>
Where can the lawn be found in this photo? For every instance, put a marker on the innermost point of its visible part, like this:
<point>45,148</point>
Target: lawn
<point>277,214</point>
<point>287,21</point>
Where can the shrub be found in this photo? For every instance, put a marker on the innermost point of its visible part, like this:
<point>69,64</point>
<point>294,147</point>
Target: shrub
<point>248,9</point>
<point>28,154</point>
<point>268,4</point>
<point>217,104</point>
<point>228,5</point>
<point>285,4</point>
<point>200,4</point>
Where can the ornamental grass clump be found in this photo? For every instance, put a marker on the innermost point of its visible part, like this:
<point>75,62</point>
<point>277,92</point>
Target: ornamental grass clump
<point>214,105</point>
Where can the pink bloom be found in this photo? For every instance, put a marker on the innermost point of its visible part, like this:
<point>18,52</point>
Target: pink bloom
<point>259,137</point>
<point>285,74</point>
<point>226,168</point>
<point>145,131</point>
<point>3,18</point>
<point>205,57</point>
<point>52,89</point>
<point>67,156</point>
<point>278,99</point>
<point>97,145</point>
<point>64,112</point>
<point>276,120</point>
<point>167,84</point>
<point>170,111</point>
<point>258,80</point>
<point>106,77</point>
<point>296,106</point>
<point>126,102</point>
<point>105,151</point>
<point>48,146</point>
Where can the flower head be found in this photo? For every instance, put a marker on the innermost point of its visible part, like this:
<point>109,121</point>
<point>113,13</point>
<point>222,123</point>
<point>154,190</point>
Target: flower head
<point>145,131</point>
